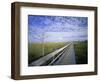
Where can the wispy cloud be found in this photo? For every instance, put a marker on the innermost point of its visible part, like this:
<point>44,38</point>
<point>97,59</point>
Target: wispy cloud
<point>57,28</point>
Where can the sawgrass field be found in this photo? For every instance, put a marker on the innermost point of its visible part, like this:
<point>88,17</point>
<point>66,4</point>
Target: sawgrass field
<point>35,50</point>
<point>81,52</point>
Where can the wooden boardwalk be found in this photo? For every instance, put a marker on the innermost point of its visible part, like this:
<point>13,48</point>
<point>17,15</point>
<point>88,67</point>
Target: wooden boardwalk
<point>62,56</point>
<point>68,56</point>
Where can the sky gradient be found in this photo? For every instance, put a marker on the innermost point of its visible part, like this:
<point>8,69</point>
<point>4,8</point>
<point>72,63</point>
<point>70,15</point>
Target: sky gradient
<point>57,28</point>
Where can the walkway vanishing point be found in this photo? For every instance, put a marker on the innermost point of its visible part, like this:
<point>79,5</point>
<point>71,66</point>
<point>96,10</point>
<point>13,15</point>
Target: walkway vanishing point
<point>62,56</point>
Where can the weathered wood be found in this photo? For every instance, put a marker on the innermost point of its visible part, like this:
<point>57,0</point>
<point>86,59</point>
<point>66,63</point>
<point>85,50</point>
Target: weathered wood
<point>47,57</point>
<point>68,57</point>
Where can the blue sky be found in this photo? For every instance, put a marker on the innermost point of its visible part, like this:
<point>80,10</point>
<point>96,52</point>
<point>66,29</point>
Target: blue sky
<point>57,28</point>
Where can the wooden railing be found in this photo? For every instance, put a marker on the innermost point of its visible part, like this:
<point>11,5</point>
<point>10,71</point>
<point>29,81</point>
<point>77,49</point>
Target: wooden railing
<point>50,58</point>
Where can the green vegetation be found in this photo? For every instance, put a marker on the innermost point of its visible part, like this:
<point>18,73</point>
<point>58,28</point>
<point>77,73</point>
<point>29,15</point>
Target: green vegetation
<point>35,50</point>
<point>81,52</point>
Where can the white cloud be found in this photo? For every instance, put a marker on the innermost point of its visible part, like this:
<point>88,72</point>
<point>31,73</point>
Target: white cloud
<point>65,36</point>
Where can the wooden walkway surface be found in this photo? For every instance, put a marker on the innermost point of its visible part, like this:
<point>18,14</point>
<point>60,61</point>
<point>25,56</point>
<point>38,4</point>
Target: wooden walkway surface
<point>62,56</point>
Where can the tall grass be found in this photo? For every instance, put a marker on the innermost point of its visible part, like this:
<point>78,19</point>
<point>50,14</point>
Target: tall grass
<point>35,49</point>
<point>81,52</point>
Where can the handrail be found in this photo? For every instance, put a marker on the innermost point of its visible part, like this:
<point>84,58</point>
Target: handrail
<point>55,58</point>
<point>43,59</point>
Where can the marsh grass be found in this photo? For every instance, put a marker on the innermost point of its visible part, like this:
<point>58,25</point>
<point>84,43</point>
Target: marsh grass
<point>35,49</point>
<point>81,52</point>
